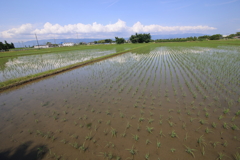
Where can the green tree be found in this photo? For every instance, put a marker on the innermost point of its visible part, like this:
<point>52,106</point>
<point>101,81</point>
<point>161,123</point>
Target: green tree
<point>108,41</point>
<point>101,41</point>
<point>140,38</point>
<point>12,45</point>
<point>7,45</point>
<point>238,34</point>
<point>216,37</point>
<point>2,47</point>
<point>204,37</point>
<point>119,40</point>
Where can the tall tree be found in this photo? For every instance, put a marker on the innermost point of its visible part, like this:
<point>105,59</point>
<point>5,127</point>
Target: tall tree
<point>2,47</point>
<point>108,41</point>
<point>119,40</point>
<point>140,38</point>
<point>216,37</point>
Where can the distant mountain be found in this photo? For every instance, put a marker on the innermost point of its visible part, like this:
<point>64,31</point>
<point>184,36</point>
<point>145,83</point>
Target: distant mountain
<point>87,40</point>
<point>53,41</point>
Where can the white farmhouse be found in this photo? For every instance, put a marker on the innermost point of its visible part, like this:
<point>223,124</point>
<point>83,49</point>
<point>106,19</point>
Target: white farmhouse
<point>68,44</point>
<point>41,46</point>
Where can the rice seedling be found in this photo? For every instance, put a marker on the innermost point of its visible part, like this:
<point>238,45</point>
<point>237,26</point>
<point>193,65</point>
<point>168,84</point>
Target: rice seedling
<point>148,141</point>
<point>158,144</point>
<point>237,156</point>
<point>203,151</point>
<point>184,125</point>
<point>108,122</point>
<point>238,112</point>
<point>74,145</point>
<point>85,117</point>
<point>128,125</point>
<point>226,111</point>
<point>151,114</point>
<point>89,125</point>
<point>161,133</point>
<point>160,122</point>
<point>220,117</point>
<point>89,136</point>
<point>221,155</point>
<point>201,141</point>
<point>40,152</point>
<point>190,151</point>
<point>74,136</point>
<point>234,127</point>
<point>132,151</point>
<point>214,144</point>
<point>149,129</point>
<point>147,156</point>
<point>105,132</point>
<point>170,123</point>
<point>192,119</point>
<point>233,118</point>
<point>225,125</point>
<point>207,130</point>
<point>172,150</point>
<point>82,147</point>
<point>107,112</point>
<point>150,120</point>
<point>173,134</point>
<point>202,121</point>
<point>63,141</point>
<point>29,131</point>
<point>225,144</point>
<point>214,125</point>
<point>99,121</point>
<point>104,154</point>
<point>114,132</point>
<point>141,119</point>
<point>207,115</point>
<point>179,111</point>
<point>138,128</point>
<point>123,134</point>
<point>121,115</point>
<point>135,137</point>
<point>186,137</point>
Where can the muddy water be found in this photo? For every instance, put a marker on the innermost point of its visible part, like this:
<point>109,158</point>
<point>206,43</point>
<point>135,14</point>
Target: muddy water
<point>166,90</point>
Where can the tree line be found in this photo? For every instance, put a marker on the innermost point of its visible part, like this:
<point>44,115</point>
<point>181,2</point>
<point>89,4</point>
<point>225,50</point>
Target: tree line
<point>6,46</point>
<point>145,38</point>
<point>200,38</point>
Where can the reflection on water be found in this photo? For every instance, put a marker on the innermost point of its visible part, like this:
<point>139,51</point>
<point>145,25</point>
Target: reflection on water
<point>27,65</point>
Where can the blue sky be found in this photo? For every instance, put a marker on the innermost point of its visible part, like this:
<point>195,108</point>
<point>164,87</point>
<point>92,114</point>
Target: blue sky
<point>21,19</point>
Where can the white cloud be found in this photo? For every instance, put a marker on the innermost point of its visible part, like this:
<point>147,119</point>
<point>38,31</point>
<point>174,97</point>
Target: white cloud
<point>97,30</point>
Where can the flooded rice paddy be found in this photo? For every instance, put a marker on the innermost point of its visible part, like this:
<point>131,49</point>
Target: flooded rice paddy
<point>162,103</point>
<point>28,65</point>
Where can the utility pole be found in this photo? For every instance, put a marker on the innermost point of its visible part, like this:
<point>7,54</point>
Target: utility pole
<point>37,40</point>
